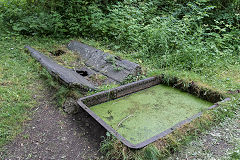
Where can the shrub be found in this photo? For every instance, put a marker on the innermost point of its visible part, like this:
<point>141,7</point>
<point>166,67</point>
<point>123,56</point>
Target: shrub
<point>183,34</point>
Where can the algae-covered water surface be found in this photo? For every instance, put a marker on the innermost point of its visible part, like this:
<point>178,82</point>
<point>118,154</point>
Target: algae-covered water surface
<point>142,115</point>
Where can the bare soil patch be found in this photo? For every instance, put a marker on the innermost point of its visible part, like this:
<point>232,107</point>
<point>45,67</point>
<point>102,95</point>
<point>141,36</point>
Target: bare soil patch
<point>52,134</point>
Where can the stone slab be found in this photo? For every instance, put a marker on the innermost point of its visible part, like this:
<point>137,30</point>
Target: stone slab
<point>65,75</point>
<point>105,63</point>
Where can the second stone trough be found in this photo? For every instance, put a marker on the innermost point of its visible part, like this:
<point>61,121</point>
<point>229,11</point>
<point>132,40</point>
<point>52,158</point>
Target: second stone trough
<point>107,64</point>
<point>96,61</point>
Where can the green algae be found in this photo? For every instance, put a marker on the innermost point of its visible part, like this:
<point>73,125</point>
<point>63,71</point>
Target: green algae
<point>142,115</point>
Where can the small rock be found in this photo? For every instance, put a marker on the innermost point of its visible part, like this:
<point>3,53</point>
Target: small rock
<point>63,138</point>
<point>63,156</point>
<point>70,106</point>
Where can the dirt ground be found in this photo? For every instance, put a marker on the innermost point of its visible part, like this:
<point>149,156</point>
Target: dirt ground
<point>52,134</point>
<point>218,143</point>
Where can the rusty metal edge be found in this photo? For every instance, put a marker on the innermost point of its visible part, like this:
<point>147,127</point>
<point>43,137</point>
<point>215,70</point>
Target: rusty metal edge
<point>115,92</point>
<point>120,87</point>
<point>148,141</point>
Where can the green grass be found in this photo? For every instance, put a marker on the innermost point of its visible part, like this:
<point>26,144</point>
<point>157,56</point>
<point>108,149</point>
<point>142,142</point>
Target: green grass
<point>20,79</point>
<point>219,79</point>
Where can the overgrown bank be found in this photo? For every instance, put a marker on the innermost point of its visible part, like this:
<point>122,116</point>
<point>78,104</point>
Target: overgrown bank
<point>188,35</point>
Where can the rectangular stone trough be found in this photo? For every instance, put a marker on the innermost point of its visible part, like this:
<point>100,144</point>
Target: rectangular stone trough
<point>142,112</point>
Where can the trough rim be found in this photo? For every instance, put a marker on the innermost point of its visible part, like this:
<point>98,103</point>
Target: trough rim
<point>149,82</point>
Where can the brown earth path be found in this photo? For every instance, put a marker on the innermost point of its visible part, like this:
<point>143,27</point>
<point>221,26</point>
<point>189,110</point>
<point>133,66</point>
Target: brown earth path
<point>52,134</point>
<point>218,143</point>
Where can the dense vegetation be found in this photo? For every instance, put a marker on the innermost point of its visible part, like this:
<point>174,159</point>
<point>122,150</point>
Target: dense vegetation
<point>184,34</point>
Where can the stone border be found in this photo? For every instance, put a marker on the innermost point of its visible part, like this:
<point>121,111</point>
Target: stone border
<point>101,97</point>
